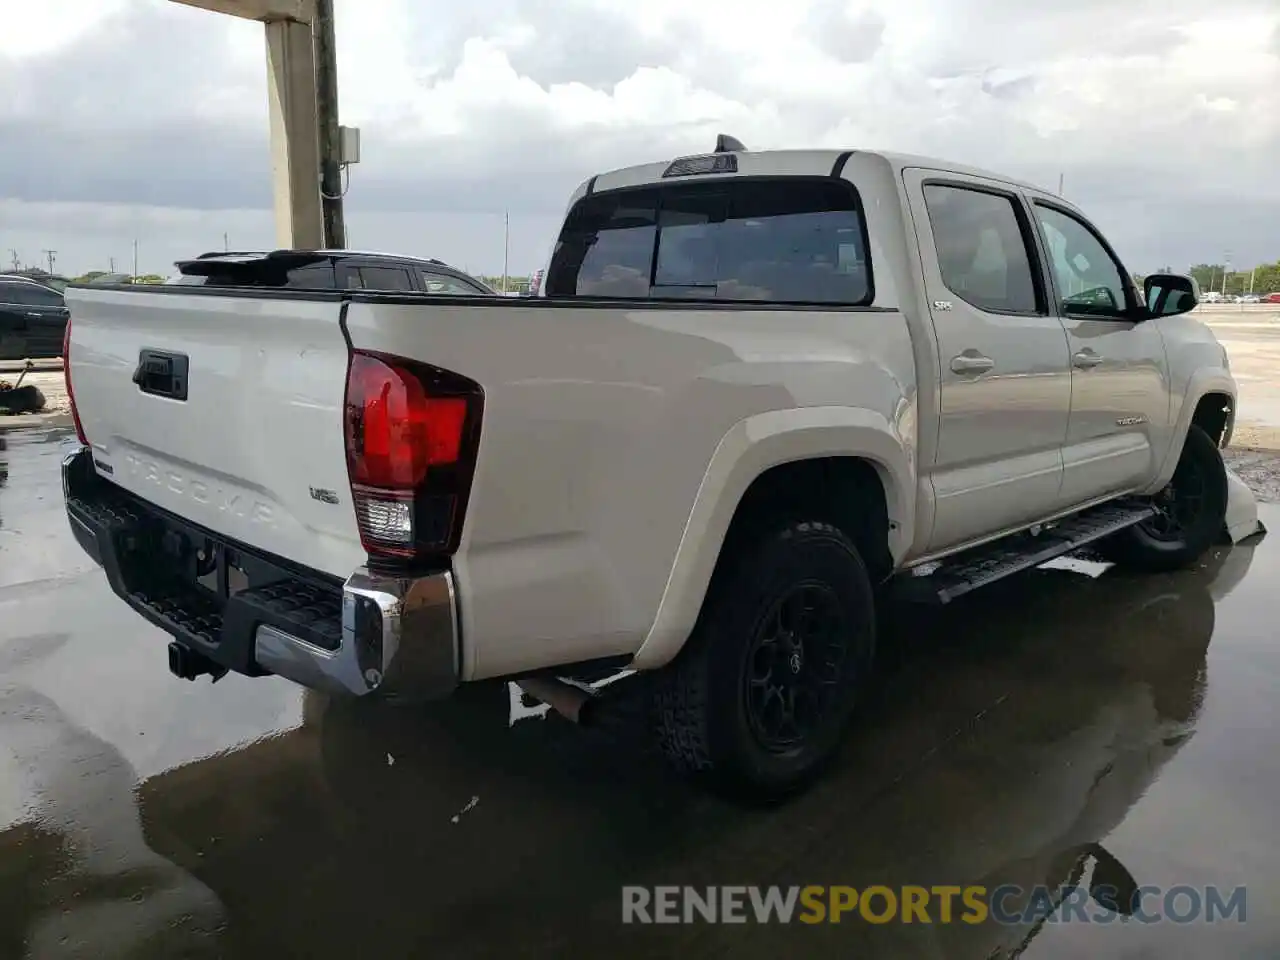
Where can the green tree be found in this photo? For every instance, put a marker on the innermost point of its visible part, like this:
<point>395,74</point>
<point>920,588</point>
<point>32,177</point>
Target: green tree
<point>1208,275</point>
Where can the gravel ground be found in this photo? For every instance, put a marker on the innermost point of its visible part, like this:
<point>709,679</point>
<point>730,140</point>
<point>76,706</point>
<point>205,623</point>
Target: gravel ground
<point>1260,469</point>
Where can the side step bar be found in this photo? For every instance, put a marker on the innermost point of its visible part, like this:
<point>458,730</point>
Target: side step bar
<point>1009,555</point>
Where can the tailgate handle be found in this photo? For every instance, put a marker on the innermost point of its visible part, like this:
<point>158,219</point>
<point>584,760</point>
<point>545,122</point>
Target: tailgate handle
<point>162,374</point>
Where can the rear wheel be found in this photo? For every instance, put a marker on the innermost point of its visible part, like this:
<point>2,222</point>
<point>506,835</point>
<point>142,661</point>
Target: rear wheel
<point>1190,512</point>
<point>761,694</point>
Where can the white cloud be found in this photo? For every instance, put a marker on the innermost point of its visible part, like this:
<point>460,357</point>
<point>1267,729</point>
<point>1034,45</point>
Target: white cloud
<point>1164,120</point>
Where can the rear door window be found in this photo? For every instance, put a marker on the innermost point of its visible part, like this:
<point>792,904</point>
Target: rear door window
<point>785,240</point>
<point>382,278</point>
<point>43,296</point>
<point>313,276</point>
<point>12,292</point>
<point>982,247</point>
<point>29,294</point>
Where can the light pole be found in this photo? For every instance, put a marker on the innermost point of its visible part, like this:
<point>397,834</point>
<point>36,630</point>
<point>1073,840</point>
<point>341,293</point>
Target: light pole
<point>506,246</point>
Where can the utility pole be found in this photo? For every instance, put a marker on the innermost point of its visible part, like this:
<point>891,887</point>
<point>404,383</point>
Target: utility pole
<point>51,256</point>
<point>506,246</point>
<point>326,57</point>
<point>225,248</point>
<point>112,262</point>
<point>1060,179</point>
<point>13,255</point>
<point>135,259</point>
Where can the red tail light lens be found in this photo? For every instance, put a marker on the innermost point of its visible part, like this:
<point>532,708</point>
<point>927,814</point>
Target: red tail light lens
<point>66,376</point>
<point>411,432</point>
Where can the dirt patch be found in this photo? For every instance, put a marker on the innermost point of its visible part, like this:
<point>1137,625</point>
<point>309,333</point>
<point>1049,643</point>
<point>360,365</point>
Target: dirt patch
<point>1259,468</point>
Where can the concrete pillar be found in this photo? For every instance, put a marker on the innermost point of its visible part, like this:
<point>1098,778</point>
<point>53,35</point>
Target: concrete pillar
<point>295,144</point>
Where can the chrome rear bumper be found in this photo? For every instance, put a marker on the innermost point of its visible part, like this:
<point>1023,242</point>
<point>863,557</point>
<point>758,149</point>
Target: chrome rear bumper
<point>374,635</point>
<point>399,640</point>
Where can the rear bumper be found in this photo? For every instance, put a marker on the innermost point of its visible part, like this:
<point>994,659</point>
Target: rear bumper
<point>372,635</point>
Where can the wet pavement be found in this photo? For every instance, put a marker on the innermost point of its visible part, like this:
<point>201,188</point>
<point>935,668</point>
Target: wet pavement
<point>1062,723</point>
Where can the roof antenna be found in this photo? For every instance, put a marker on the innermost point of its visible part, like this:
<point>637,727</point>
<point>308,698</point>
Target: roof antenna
<point>728,144</point>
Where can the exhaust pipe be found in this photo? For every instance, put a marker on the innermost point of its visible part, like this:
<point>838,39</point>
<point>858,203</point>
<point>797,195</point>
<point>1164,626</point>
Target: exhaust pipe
<point>567,699</point>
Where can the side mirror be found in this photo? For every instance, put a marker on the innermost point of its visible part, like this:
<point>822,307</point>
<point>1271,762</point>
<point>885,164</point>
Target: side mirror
<point>1169,294</point>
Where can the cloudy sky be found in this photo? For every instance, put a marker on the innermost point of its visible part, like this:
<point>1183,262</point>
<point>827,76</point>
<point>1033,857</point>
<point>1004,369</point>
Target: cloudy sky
<point>146,119</point>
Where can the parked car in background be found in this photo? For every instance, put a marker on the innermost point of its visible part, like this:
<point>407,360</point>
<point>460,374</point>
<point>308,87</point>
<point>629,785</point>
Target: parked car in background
<point>1272,298</point>
<point>33,319</point>
<point>329,270</point>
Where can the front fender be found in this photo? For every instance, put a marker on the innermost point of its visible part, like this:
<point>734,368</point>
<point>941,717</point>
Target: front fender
<point>751,447</point>
<point>1202,382</point>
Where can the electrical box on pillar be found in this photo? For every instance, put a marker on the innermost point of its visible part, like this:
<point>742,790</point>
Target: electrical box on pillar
<point>350,139</point>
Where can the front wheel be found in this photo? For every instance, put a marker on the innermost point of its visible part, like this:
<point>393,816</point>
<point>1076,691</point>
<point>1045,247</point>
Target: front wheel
<point>761,694</point>
<point>1190,512</point>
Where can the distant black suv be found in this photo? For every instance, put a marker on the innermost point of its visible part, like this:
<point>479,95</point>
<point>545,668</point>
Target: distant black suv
<point>329,270</point>
<point>33,319</point>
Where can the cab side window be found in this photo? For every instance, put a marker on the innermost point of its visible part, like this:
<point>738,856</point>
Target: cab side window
<point>444,285</point>
<point>1089,281</point>
<point>982,249</point>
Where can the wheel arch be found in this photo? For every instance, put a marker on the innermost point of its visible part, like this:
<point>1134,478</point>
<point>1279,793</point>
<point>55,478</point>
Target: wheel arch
<point>1209,403</point>
<point>782,462</point>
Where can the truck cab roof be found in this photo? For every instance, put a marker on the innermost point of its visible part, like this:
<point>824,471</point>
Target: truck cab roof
<point>779,163</point>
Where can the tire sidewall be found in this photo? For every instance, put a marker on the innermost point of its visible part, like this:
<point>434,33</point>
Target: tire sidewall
<point>1207,527</point>
<point>802,553</point>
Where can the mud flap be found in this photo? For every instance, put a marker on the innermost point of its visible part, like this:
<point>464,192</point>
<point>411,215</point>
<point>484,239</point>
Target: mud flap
<point>1242,511</point>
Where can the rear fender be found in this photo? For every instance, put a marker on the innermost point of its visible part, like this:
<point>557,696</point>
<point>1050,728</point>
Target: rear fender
<point>751,447</point>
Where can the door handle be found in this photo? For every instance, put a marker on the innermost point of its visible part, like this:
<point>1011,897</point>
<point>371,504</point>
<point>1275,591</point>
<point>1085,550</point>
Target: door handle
<point>1086,359</point>
<point>971,363</point>
<point>35,314</point>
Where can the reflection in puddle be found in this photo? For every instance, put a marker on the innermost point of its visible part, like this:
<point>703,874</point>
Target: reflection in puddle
<point>87,884</point>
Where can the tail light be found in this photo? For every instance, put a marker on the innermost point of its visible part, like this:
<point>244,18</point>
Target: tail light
<point>411,433</point>
<point>66,375</point>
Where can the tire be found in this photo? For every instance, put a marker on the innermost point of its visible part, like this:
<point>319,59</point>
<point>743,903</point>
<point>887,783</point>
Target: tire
<point>716,714</point>
<point>1193,509</point>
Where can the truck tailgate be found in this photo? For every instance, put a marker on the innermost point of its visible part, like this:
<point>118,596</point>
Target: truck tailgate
<point>247,440</point>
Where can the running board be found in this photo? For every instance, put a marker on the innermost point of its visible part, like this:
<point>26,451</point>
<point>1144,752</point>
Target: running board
<point>1009,555</point>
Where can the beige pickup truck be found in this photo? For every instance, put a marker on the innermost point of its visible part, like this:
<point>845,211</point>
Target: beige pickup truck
<point>759,393</point>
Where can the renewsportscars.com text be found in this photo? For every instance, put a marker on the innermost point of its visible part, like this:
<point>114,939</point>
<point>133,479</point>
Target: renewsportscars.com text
<point>938,904</point>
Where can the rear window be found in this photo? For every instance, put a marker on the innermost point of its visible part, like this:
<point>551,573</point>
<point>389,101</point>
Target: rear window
<point>774,241</point>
